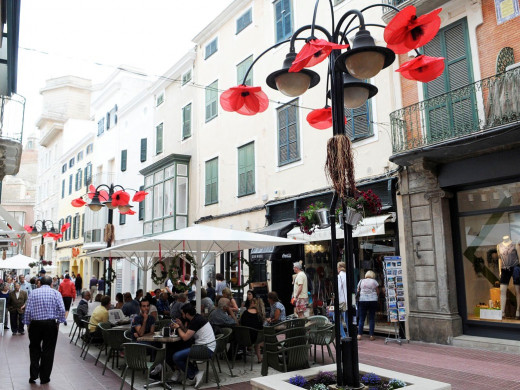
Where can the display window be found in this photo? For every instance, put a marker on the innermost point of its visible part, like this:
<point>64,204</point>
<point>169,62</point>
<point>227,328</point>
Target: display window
<point>489,220</point>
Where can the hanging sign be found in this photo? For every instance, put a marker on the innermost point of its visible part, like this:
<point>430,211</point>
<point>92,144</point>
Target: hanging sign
<point>506,10</point>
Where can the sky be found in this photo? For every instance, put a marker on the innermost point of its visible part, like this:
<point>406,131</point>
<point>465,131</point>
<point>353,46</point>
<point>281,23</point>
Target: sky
<point>89,38</point>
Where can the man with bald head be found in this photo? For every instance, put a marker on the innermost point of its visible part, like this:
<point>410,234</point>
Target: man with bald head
<point>43,314</point>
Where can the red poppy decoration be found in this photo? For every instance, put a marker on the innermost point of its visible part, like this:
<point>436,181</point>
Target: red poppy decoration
<point>312,53</point>
<point>54,236</point>
<point>129,212</point>
<point>407,32</point>
<point>120,198</point>
<point>28,228</point>
<point>103,195</point>
<point>321,118</point>
<point>244,99</point>
<point>422,68</point>
<point>65,226</point>
<point>139,196</point>
<point>78,202</point>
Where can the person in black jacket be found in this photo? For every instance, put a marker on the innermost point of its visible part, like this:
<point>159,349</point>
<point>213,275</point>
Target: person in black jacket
<point>78,283</point>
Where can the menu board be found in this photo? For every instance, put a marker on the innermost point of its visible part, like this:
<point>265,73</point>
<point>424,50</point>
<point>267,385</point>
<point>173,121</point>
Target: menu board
<point>394,288</point>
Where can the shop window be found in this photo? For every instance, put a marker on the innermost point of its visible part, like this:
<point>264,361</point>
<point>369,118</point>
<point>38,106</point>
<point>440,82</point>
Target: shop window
<point>242,69</point>
<point>489,229</point>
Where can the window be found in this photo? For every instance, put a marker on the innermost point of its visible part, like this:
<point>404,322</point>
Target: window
<point>166,206</point>
<point>159,139</point>
<point>70,184</point>
<point>63,189</point>
<point>242,69</point>
<point>71,162</point>
<point>144,145</point>
<point>88,174</point>
<point>211,48</point>
<point>141,206</point>
<point>112,118</point>
<point>336,2</point>
<point>101,126</point>
<point>75,226</point>
<point>80,156</point>
<point>67,232</point>
<point>211,101</point>
<point>60,224</point>
<point>186,77</point>
<point>78,181</point>
<point>246,169</point>
<point>186,121</point>
<point>82,224</point>
<point>159,99</point>
<point>288,133</point>
<point>64,168</point>
<point>359,122</point>
<point>283,15</point>
<point>211,181</point>
<point>123,160</point>
<point>122,219</point>
<point>244,20</point>
<point>90,148</point>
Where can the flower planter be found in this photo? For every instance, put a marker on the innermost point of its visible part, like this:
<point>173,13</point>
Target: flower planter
<point>352,217</point>
<point>323,217</point>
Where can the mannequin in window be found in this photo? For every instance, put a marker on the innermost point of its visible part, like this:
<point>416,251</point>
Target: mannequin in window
<point>509,268</point>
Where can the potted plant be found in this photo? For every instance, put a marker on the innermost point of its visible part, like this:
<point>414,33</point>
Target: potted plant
<point>363,204</point>
<point>309,218</point>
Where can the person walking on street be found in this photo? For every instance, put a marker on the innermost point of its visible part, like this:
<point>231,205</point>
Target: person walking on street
<point>368,294</point>
<point>17,302</point>
<point>43,314</point>
<point>342,295</point>
<point>78,283</point>
<point>93,285</point>
<point>300,291</point>
<point>25,285</point>
<point>5,293</point>
<point>101,285</point>
<point>68,292</point>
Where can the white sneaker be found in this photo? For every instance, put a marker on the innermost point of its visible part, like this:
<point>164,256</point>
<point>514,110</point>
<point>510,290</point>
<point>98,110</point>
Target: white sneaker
<point>190,382</point>
<point>156,370</point>
<point>175,376</point>
<point>198,378</point>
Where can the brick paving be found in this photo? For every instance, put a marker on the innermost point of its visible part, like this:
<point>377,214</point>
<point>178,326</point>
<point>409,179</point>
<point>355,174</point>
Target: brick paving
<point>462,368</point>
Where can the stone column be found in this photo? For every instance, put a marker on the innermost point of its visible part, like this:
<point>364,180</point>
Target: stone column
<point>428,256</point>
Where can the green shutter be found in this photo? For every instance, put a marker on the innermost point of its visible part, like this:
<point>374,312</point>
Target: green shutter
<point>288,134</point>
<point>144,144</point>
<point>141,206</point>
<point>283,20</point>
<point>159,139</point>
<point>359,122</point>
<point>211,186</point>
<point>246,169</point>
<point>211,101</point>
<point>186,121</point>
<point>242,69</point>
<point>122,219</point>
<point>123,160</point>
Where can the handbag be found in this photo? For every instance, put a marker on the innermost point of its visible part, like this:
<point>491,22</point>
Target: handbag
<point>358,292</point>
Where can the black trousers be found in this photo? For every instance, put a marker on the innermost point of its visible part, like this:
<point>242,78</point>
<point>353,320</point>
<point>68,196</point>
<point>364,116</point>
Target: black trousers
<point>42,343</point>
<point>16,321</point>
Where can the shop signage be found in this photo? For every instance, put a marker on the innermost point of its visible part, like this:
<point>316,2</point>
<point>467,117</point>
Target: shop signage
<point>506,10</point>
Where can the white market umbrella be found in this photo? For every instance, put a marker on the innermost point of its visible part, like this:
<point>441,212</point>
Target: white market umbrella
<point>199,240</point>
<point>17,262</point>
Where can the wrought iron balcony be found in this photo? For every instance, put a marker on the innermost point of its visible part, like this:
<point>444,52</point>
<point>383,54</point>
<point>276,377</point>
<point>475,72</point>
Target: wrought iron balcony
<point>423,6</point>
<point>487,104</point>
<point>12,109</point>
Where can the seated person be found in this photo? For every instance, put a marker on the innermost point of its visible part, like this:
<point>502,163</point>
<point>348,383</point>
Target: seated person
<point>144,323</point>
<point>92,305</point>
<point>163,306</point>
<point>198,329</point>
<point>277,313</point>
<point>226,293</point>
<point>175,307</point>
<point>119,300</point>
<point>99,315</point>
<point>82,310</point>
<point>254,318</point>
<point>222,315</point>
<point>206,304</point>
<point>131,306</point>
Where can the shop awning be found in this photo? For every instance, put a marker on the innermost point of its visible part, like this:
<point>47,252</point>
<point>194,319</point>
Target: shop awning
<point>277,229</point>
<point>370,226</point>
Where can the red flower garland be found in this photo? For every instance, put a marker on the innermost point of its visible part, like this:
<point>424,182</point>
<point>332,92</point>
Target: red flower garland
<point>312,53</point>
<point>422,68</point>
<point>244,99</point>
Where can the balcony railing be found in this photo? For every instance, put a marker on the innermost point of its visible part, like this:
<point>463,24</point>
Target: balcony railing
<point>477,107</point>
<point>422,6</point>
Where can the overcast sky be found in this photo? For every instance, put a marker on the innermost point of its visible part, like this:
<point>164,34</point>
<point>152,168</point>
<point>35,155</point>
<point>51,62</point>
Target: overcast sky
<point>88,38</point>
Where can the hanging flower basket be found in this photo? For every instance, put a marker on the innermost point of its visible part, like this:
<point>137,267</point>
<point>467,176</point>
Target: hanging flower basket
<point>367,204</point>
<point>309,220</point>
<point>352,217</point>
<point>323,218</point>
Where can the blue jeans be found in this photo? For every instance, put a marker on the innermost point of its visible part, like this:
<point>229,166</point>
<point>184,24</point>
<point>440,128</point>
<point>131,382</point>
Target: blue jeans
<point>180,359</point>
<point>364,307</point>
<point>343,315</point>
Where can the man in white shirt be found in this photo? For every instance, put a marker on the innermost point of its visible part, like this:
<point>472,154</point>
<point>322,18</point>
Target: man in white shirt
<point>24,285</point>
<point>300,291</point>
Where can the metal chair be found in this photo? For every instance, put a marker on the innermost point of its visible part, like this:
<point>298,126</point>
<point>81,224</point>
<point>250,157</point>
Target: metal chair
<point>136,359</point>
<point>244,336</point>
<point>200,353</point>
<point>80,328</point>
<point>104,347</point>
<point>323,336</point>
<point>313,323</point>
<point>128,335</point>
<point>114,340</point>
<point>92,338</point>
<point>286,355</point>
<point>74,325</point>
<point>162,323</point>
<point>220,349</point>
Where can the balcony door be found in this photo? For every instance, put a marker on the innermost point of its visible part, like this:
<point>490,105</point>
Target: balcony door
<point>450,107</point>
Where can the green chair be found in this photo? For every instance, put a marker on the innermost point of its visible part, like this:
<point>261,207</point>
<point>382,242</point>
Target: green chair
<point>92,338</point>
<point>104,347</point>
<point>136,359</point>
<point>244,336</point>
<point>128,335</point>
<point>286,355</point>
<point>74,310</point>
<point>201,354</point>
<point>114,340</point>
<point>322,336</point>
<point>80,328</point>
<point>221,348</point>
<point>313,323</point>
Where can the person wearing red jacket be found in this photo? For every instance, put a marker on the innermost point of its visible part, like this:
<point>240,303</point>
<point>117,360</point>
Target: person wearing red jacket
<point>67,290</point>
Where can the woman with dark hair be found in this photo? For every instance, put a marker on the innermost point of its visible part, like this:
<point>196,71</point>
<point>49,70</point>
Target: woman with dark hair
<point>119,300</point>
<point>249,297</point>
<point>277,313</point>
<point>78,283</point>
<point>221,284</point>
<point>254,318</point>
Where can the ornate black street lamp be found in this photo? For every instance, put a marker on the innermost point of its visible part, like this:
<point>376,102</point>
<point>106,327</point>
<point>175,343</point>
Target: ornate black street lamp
<point>111,196</point>
<point>346,75</point>
<point>46,229</point>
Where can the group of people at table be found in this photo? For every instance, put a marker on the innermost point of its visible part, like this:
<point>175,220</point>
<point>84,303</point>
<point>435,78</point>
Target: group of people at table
<point>186,324</point>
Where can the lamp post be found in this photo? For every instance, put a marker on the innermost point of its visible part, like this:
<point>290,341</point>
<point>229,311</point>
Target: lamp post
<point>346,75</point>
<point>42,227</point>
<point>105,195</point>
